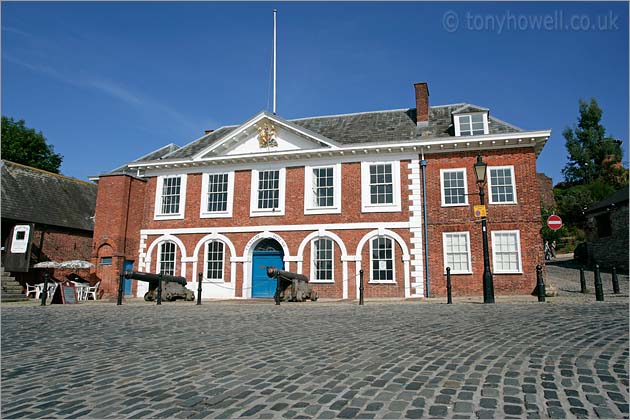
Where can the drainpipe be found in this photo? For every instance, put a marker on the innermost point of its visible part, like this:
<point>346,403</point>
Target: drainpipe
<point>423,165</point>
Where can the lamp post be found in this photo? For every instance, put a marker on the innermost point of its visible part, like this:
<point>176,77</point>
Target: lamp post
<point>488,286</point>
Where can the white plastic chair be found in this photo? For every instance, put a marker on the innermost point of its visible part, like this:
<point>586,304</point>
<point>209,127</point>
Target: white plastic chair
<point>37,289</point>
<point>52,286</point>
<point>91,291</point>
<point>81,289</point>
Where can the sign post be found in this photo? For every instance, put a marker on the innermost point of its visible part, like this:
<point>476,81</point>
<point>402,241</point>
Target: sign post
<point>554,222</point>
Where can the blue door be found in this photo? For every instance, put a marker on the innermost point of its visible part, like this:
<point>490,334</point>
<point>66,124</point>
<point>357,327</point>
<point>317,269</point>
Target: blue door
<point>127,283</point>
<point>263,286</point>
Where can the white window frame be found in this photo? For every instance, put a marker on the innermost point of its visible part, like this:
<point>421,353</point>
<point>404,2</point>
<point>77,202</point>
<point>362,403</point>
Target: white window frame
<point>159,257</point>
<point>393,242</point>
<point>204,213</point>
<point>313,278</point>
<point>158,215</point>
<point>484,115</point>
<point>518,251</point>
<point>205,263</point>
<point>366,205</point>
<point>444,254</point>
<point>254,211</point>
<point>489,178</point>
<point>309,206</point>
<point>442,172</point>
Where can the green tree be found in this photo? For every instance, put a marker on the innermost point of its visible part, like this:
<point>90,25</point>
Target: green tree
<point>24,145</point>
<point>592,155</point>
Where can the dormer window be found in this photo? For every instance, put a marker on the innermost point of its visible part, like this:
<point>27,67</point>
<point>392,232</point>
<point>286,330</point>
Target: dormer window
<point>471,124</point>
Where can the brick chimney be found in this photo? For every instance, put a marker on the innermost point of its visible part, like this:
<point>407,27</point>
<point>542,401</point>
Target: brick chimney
<point>422,104</point>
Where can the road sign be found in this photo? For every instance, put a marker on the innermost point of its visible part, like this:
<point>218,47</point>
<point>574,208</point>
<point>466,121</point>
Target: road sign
<point>554,222</point>
<point>480,211</point>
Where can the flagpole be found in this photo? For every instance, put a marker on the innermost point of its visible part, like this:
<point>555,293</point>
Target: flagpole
<point>275,11</point>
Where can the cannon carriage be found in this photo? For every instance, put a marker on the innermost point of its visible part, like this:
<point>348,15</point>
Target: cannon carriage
<point>172,287</point>
<point>292,287</point>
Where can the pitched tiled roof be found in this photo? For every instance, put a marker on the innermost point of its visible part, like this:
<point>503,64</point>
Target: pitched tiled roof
<point>365,127</point>
<point>36,196</point>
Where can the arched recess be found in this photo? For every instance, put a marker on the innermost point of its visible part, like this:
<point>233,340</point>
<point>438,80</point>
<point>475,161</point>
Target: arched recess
<point>164,238</point>
<point>403,246</point>
<point>342,248</point>
<point>248,256</point>
<point>212,289</point>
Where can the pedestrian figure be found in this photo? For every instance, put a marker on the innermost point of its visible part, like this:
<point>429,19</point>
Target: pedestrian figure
<point>553,249</point>
<point>547,251</point>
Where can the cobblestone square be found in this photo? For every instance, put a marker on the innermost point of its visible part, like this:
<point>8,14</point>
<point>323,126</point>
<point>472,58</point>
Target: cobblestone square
<point>316,360</point>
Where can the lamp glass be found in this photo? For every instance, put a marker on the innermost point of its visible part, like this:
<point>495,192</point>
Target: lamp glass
<point>480,170</point>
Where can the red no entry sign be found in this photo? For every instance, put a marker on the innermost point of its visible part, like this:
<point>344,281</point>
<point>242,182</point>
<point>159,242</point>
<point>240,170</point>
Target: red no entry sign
<point>554,222</point>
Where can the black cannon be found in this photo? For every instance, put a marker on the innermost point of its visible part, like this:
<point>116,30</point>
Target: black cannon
<point>292,287</point>
<point>172,287</point>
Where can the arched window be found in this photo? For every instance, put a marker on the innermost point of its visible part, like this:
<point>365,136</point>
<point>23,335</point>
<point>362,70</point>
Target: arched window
<point>214,261</point>
<point>167,258</point>
<point>382,260</point>
<point>322,257</point>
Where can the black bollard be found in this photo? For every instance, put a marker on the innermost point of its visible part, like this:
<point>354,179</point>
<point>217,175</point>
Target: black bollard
<point>200,276</point>
<point>276,296</point>
<point>449,288</point>
<point>599,290</point>
<point>159,290</point>
<point>615,281</point>
<point>361,287</point>
<point>120,288</point>
<point>540,284</point>
<point>45,291</point>
<point>582,281</point>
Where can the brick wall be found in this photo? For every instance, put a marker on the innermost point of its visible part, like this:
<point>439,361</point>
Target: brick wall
<point>120,212</point>
<point>612,250</point>
<point>294,207</point>
<point>59,244</point>
<point>523,216</point>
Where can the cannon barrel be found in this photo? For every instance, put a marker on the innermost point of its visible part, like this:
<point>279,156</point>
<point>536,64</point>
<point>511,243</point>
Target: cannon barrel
<point>153,278</point>
<point>274,272</point>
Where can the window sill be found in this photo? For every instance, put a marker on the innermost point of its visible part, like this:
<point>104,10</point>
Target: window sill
<point>168,217</point>
<point>262,213</point>
<point>381,282</point>
<point>456,205</point>
<point>322,210</point>
<point>322,281</point>
<point>214,215</point>
<point>391,208</point>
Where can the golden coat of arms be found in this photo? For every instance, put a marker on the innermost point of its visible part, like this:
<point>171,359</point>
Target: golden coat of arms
<point>266,134</point>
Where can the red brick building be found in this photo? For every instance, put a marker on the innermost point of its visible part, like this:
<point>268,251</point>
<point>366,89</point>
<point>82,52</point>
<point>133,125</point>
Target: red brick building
<point>327,197</point>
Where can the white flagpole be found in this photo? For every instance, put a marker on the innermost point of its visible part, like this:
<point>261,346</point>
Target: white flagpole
<point>275,11</point>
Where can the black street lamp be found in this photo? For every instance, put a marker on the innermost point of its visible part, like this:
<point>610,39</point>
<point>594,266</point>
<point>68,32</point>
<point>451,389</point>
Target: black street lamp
<point>488,286</point>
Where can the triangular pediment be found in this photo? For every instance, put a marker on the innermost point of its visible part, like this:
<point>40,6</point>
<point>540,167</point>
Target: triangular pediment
<point>266,134</point>
<point>469,109</point>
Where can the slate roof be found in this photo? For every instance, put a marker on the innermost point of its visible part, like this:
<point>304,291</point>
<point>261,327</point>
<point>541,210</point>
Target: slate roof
<point>612,200</point>
<point>366,127</point>
<point>154,155</point>
<point>36,196</point>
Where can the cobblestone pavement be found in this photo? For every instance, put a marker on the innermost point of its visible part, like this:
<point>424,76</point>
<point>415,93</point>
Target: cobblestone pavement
<point>315,360</point>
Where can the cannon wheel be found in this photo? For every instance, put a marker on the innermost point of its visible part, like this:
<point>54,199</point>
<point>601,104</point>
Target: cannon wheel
<point>314,296</point>
<point>148,297</point>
